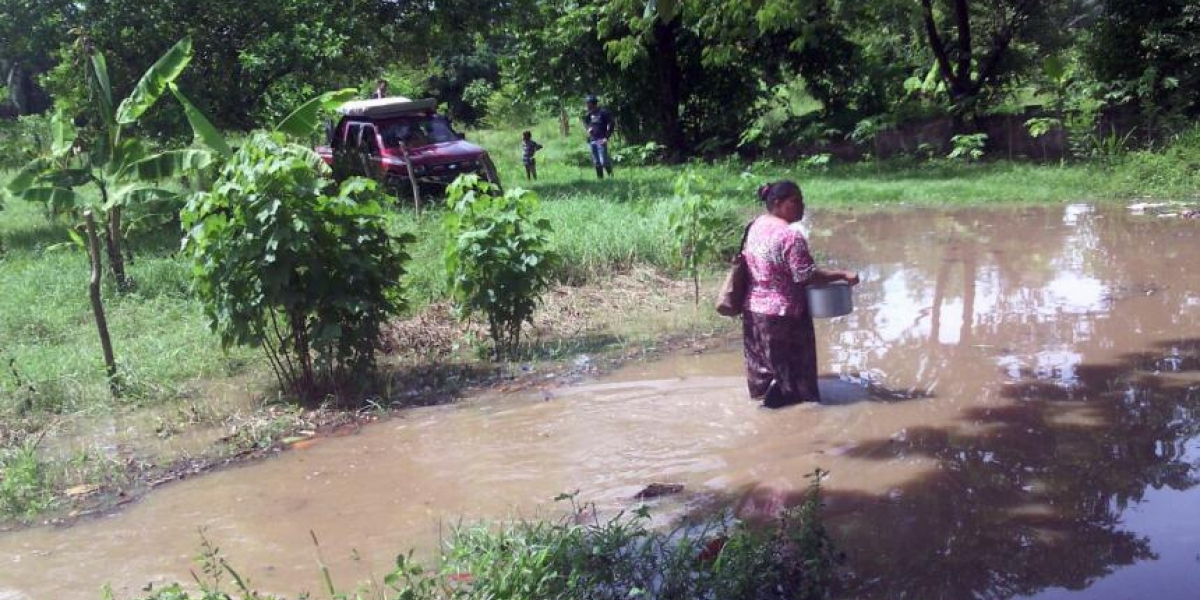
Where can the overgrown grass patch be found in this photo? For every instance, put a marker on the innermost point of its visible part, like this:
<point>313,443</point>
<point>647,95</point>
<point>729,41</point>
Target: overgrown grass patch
<point>50,348</point>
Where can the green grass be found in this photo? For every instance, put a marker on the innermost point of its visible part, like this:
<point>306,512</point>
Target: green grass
<point>48,341</point>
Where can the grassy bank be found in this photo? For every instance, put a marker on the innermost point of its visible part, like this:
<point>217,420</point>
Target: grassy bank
<point>584,556</point>
<point>50,358</point>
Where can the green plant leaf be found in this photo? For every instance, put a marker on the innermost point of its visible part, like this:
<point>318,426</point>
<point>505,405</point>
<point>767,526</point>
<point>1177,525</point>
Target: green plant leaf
<point>55,198</point>
<point>304,120</point>
<point>168,164</point>
<point>102,88</point>
<point>202,128</point>
<point>155,81</point>
<point>63,134</point>
<point>28,175</point>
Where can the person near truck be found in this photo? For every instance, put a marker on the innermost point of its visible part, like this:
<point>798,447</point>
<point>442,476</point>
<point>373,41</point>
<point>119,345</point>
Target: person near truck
<point>381,89</point>
<point>528,149</point>
<point>599,126</point>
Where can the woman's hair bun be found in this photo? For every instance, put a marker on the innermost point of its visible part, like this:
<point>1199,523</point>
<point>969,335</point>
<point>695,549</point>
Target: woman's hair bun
<point>763,191</point>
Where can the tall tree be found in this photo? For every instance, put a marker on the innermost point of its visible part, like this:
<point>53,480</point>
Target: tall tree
<point>979,45</point>
<point>30,33</point>
<point>253,59</point>
<point>971,61</point>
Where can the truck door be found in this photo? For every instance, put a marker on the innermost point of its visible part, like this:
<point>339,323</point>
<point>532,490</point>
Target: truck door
<point>345,151</point>
<point>371,158</point>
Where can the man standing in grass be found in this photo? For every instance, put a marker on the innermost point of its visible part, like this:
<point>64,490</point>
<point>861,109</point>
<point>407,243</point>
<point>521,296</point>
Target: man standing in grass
<point>599,127</point>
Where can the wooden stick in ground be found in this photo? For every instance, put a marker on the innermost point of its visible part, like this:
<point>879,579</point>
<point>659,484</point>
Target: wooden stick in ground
<point>110,364</point>
<point>416,187</point>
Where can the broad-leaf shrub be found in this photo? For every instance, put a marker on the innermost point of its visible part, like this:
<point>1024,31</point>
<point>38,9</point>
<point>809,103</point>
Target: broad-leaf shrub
<point>286,259</point>
<point>498,257</point>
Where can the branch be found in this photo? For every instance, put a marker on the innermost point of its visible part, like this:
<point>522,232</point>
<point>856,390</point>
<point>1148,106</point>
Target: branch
<point>990,63</point>
<point>937,46</point>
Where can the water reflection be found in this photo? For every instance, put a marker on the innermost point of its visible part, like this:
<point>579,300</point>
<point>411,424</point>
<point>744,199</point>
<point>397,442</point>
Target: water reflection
<point>1052,337</point>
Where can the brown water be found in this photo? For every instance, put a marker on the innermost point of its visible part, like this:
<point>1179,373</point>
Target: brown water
<point>1049,444</point>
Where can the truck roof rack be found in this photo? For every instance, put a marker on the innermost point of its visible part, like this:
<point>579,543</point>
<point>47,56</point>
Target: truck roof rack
<point>387,107</point>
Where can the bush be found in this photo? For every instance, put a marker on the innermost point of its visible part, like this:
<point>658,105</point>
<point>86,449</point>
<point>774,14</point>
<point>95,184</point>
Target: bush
<point>498,256</point>
<point>1171,172</point>
<point>23,140</point>
<point>286,259</point>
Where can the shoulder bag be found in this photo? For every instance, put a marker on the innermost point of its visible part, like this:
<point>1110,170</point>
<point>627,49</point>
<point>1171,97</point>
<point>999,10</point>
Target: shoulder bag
<point>731,300</point>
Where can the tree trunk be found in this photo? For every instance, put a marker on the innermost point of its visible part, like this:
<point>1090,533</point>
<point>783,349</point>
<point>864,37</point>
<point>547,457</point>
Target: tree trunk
<point>112,240</point>
<point>110,364</point>
<point>670,80</point>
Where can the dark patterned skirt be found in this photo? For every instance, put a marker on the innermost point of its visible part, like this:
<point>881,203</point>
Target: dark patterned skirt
<point>781,358</point>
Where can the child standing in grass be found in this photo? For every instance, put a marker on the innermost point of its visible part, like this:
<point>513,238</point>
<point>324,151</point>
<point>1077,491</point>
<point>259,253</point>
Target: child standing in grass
<point>528,149</point>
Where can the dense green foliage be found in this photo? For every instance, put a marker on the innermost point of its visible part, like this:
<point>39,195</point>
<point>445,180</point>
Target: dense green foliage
<point>287,260</point>
<point>695,76</point>
<point>498,257</point>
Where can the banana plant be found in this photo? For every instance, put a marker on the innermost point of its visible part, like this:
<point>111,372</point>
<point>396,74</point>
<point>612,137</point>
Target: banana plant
<point>300,124</point>
<point>121,167</point>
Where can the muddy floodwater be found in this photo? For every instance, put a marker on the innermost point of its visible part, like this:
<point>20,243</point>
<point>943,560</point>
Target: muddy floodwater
<point>1011,412</point>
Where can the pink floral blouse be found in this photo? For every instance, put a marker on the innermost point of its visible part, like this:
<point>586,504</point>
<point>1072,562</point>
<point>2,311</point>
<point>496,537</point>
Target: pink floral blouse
<point>779,264</point>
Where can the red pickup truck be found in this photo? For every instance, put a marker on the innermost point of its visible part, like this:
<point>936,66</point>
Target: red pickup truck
<point>380,138</point>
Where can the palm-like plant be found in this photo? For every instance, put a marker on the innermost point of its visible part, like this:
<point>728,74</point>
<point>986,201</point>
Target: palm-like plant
<point>121,167</point>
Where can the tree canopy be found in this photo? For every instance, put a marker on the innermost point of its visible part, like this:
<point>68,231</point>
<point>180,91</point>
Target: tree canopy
<point>696,76</point>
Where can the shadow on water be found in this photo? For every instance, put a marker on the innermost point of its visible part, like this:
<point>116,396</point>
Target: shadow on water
<point>1033,499</point>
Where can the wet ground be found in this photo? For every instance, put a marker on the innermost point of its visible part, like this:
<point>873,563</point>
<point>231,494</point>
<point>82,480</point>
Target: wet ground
<point>1011,412</point>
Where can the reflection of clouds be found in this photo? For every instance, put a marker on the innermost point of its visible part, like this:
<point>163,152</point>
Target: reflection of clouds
<point>1074,293</point>
<point>1057,365</point>
<point>900,309</point>
<point>1073,212</point>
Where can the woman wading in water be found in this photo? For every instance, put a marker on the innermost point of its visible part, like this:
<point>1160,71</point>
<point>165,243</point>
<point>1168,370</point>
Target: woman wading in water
<point>777,328</point>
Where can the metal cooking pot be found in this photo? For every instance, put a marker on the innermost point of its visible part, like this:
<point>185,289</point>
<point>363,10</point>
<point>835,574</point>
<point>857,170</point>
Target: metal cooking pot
<point>830,299</point>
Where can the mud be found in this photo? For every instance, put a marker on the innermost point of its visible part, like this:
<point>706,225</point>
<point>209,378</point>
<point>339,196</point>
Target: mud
<point>1010,412</point>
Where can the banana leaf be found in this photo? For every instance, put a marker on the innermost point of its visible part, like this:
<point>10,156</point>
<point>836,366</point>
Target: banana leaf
<point>202,128</point>
<point>101,87</point>
<point>304,120</point>
<point>28,175</point>
<point>164,165</point>
<point>63,134</point>
<point>155,81</point>
<point>55,198</point>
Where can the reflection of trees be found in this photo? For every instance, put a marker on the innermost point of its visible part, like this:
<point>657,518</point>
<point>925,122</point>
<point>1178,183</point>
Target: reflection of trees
<point>1027,494</point>
<point>1026,498</point>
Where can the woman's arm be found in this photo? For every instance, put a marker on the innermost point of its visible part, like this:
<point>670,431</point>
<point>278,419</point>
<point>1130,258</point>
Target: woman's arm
<point>820,276</point>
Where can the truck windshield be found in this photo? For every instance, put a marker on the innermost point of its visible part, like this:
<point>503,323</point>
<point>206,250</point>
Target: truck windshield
<point>418,132</point>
